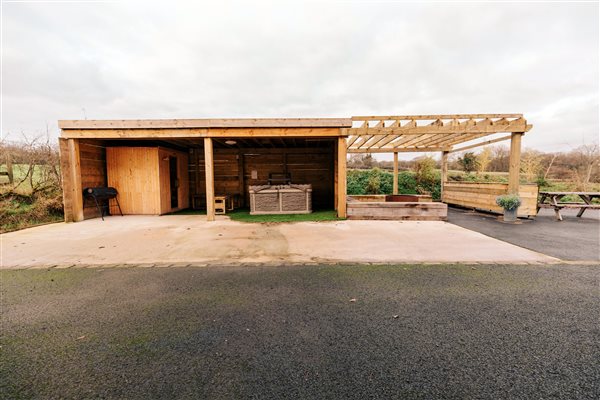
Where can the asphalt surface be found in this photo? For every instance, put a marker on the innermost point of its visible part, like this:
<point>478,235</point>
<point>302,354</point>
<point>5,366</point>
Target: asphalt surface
<point>573,239</point>
<point>461,332</point>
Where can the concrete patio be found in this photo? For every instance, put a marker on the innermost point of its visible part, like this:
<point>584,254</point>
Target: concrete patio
<point>190,239</point>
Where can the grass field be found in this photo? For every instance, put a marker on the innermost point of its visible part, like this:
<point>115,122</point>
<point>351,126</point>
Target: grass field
<point>21,208</point>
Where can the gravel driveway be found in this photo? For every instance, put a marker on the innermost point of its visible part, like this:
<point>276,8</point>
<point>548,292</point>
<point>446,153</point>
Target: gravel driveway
<point>455,331</point>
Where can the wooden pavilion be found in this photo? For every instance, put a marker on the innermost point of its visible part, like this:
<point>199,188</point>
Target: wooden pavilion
<point>169,165</point>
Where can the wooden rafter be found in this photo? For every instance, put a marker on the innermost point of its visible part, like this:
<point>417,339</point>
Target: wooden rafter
<point>381,134</point>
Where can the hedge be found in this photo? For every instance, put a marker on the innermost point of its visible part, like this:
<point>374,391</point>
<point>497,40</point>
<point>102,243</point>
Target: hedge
<point>377,181</point>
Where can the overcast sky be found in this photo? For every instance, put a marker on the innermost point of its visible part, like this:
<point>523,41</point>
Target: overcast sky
<point>277,59</point>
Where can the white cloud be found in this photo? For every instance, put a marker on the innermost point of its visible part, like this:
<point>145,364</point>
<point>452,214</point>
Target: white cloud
<point>273,59</point>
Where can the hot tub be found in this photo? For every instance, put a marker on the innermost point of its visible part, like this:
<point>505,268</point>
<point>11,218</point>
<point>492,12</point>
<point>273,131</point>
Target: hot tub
<point>280,199</point>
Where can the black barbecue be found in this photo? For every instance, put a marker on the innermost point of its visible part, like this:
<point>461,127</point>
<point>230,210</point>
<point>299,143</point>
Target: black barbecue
<point>100,195</point>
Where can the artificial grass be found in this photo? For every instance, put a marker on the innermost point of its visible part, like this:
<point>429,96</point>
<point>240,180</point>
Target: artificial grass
<point>244,216</point>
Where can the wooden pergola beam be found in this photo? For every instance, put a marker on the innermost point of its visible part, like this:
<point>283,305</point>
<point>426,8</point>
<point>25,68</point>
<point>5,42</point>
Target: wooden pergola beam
<point>434,116</point>
<point>472,146</point>
<point>395,175</point>
<point>514,126</point>
<point>400,150</point>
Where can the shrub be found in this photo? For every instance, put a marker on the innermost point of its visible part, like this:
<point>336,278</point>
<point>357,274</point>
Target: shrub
<point>377,181</point>
<point>469,162</point>
<point>425,171</point>
<point>373,185</point>
<point>509,201</point>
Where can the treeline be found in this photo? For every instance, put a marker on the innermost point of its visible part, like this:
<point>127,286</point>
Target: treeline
<point>580,166</point>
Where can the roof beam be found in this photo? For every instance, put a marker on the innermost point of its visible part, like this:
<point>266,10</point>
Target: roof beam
<point>199,133</point>
<point>207,123</point>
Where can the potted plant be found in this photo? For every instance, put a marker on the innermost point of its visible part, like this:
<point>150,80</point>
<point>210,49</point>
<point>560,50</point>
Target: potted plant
<point>510,203</point>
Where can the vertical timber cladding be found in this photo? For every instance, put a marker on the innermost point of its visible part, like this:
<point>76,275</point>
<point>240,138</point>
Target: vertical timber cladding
<point>141,175</point>
<point>236,169</point>
<point>134,172</point>
<point>65,171</point>
<point>92,155</point>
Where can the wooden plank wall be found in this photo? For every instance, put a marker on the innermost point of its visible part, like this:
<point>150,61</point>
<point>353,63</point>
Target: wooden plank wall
<point>133,171</point>
<point>92,154</point>
<point>234,171</point>
<point>483,196</point>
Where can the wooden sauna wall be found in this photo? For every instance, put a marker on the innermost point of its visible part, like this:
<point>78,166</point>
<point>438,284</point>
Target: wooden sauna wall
<point>133,171</point>
<point>92,156</point>
<point>183,196</point>
<point>233,171</point>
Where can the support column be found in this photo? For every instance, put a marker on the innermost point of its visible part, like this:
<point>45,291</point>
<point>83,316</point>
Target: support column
<point>514,167</point>
<point>341,175</point>
<point>395,184</point>
<point>335,176</point>
<point>444,174</point>
<point>76,189</point>
<point>210,179</point>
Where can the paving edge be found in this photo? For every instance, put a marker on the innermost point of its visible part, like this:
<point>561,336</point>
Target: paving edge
<point>289,264</point>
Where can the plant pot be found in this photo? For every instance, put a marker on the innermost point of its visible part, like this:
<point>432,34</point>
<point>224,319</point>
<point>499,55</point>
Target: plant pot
<point>510,215</point>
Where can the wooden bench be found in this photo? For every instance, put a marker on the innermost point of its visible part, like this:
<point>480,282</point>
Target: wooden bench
<point>555,203</point>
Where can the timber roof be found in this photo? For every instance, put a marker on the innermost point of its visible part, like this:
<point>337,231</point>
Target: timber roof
<point>366,134</point>
<point>207,123</point>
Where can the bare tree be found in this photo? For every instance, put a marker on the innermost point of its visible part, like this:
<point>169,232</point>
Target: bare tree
<point>586,161</point>
<point>485,159</point>
<point>531,164</point>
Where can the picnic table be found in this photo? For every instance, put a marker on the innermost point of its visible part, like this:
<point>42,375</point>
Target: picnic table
<point>553,200</point>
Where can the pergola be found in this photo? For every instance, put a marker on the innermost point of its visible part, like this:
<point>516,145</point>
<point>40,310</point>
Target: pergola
<point>432,133</point>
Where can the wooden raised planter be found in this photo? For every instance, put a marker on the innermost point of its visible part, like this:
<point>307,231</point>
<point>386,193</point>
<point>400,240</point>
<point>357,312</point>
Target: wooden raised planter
<point>482,196</point>
<point>397,211</point>
<point>396,207</point>
<point>415,198</point>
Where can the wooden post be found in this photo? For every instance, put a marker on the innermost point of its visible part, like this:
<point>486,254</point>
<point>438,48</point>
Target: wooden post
<point>9,168</point>
<point>335,176</point>
<point>65,174</point>
<point>514,167</point>
<point>242,185</point>
<point>76,189</point>
<point>395,185</point>
<point>341,170</point>
<point>444,174</point>
<point>210,179</point>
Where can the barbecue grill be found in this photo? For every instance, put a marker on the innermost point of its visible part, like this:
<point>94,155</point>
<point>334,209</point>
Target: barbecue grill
<point>100,194</point>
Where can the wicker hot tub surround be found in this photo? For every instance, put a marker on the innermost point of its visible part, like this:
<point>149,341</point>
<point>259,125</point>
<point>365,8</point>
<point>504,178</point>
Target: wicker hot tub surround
<point>280,199</point>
